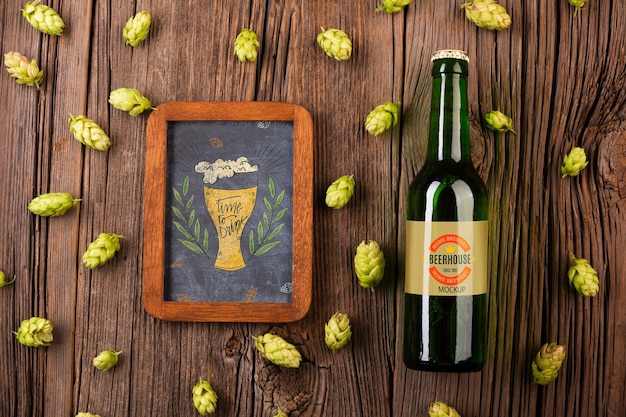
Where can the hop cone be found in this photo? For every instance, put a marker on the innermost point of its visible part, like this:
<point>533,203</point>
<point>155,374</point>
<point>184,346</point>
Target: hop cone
<point>393,6</point>
<point>52,204</point>
<point>487,14</point>
<point>246,45</point>
<point>24,72</point>
<point>3,280</point>
<point>137,28</point>
<point>278,351</point>
<point>583,277</point>
<point>101,250</point>
<point>578,4</point>
<point>369,264</point>
<point>86,414</point>
<point>545,367</point>
<point>382,118</point>
<point>204,397</point>
<point>43,18</point>
<point>280,413</point>
<point>574,162</point>
<point>88,132</point>
<point>106,360</point>
<point>335,43</point>
<point>441,409</point>
<point>340,191</point>
<point>337,332</point>
<point>35,332</point>
<point>129,100</point>
<point>499,121</point>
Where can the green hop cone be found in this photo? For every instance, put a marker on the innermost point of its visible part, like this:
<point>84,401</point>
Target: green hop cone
<point>3,279</point>
<point>336,44</point>
<point>583,277</point>
<point>246,45</point>
<point>43,18</point>
<point>337,332</point>
<point>498,121</point>
<point>574,162</point>
<point>101,250</point>
<point>35,332</point>
<point>24,71</point>
<point>487,14</point>
<point>87,132</point>
<point>137,28</point>
<point>369,264</point>
<point>129,100</point>
<point>338,193</point>
<point>86,414</point>
<point>578,4</point>
<point>106,360</point>
<point>52,204</point>
<point>393,6</point>
<point>548,361</point>
<point>278,351</point>
<point>441,409</point>
<point>204,397</point>
<point>382,118</point>
<point>280,413</point>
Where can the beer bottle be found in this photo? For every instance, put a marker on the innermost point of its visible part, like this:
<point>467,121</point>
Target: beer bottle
<point>445,302</point>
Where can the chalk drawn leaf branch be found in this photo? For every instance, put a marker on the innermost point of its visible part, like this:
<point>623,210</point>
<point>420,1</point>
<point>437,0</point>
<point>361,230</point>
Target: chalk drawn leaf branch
<point>195,239</point>
<point>268,227</point>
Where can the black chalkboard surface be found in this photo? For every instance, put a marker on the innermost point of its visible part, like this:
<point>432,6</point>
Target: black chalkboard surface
<point>228,233</point>
<point>232,221</point>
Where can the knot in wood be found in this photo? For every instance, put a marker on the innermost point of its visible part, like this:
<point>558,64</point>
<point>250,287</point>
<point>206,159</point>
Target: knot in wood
<point>284,386</point>
<point>612,162</point>
<point>232,348</point>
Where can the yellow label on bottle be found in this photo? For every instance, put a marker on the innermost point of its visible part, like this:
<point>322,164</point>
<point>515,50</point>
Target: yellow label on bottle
<point>446,258</point>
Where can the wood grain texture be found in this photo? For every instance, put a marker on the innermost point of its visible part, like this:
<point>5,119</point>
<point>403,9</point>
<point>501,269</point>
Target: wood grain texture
<point>560,75</point>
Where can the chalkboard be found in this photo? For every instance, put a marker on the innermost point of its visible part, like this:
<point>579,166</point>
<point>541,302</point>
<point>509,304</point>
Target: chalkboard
<point>227,221</point>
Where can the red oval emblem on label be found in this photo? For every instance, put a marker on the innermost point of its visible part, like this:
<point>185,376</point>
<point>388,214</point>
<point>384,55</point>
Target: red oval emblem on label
<point>449,259</point>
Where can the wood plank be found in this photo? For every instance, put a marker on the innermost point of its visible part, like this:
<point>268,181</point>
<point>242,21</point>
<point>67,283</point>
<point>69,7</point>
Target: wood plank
<point>21,368</point>
<point>63,166</point>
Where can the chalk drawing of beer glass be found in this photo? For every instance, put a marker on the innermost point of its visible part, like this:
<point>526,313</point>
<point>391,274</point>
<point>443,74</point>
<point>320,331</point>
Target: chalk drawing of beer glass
<point>230,189</point>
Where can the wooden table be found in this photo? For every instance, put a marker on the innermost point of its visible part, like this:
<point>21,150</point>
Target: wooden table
<point>560,75</point>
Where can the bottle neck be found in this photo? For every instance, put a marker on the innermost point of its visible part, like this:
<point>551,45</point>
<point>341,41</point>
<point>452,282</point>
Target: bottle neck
<point>449,138</point>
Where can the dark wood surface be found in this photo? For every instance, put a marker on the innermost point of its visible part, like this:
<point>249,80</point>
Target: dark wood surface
<point>559,74</point>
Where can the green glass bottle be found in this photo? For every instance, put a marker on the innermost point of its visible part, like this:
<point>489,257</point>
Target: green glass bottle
<point>445,313</point>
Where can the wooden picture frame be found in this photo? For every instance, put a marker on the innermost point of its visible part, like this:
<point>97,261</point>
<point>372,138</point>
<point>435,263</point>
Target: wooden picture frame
<point>189,222</point>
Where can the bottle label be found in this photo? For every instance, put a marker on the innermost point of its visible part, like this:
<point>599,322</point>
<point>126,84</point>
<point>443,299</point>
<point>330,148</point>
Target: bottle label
<point>446,258</point>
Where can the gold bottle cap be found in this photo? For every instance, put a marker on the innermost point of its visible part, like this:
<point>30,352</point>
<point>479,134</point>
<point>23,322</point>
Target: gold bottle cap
<point>450,53</point>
